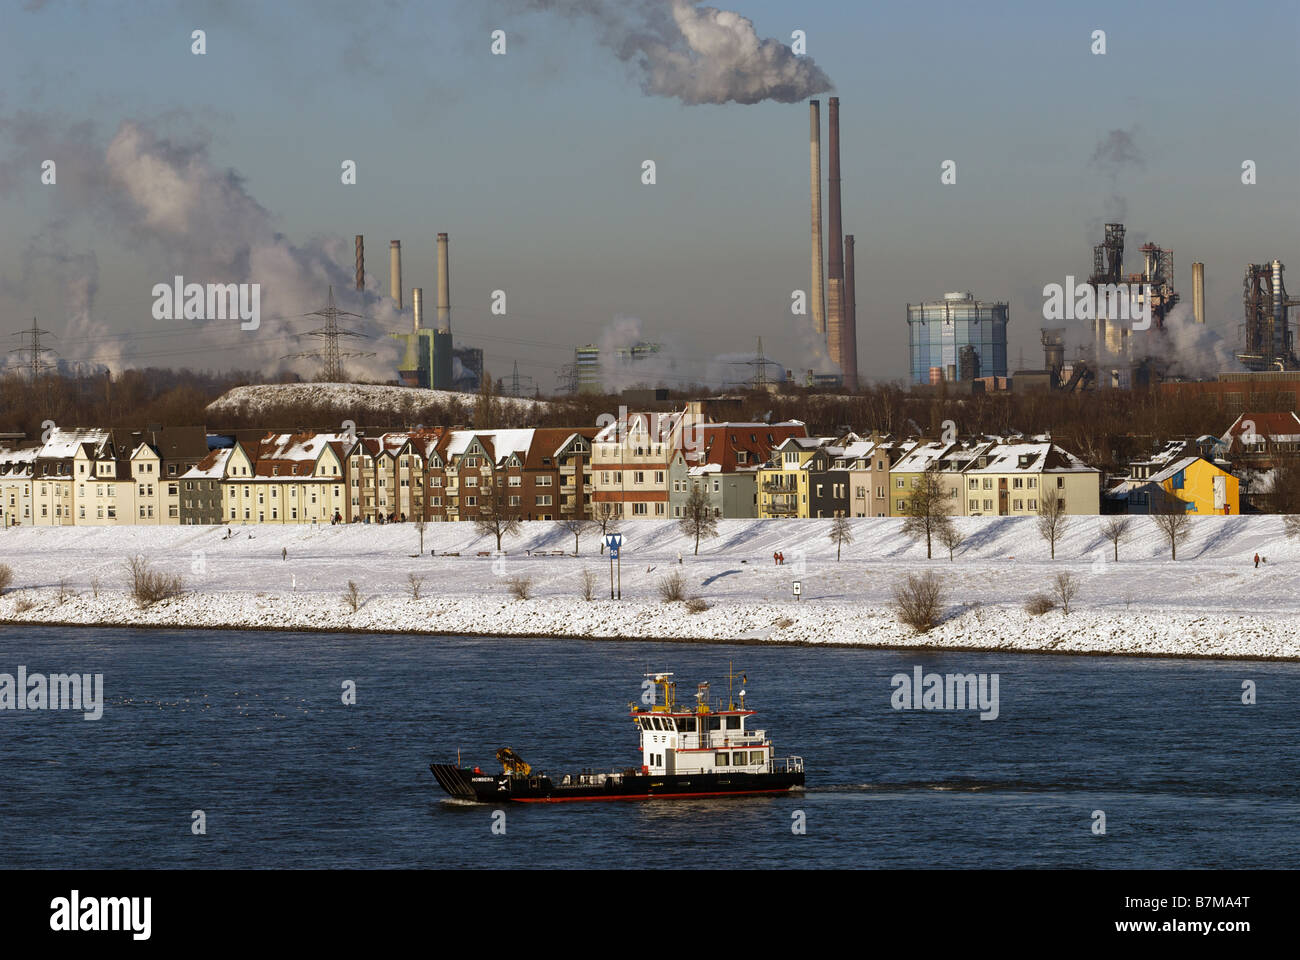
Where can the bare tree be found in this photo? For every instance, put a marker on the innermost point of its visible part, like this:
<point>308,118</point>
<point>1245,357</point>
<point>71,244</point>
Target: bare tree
<point>521,587</point>
<point>928,508</point>
<point>6,577</point>
<point>419,528</point>
<point>353,596</point>
<point>576,526</point>
<point>1051,519</point>
<point>414,582</point>
<point>1174,524</point>
<point>1291,524</point>
<point>1065,587</point>
<point>606,520</point>
<point>841,533</point>
<point>918,600</point>
<point>588,584</point>
<point>697,517</point>
<point>1116,530</point>
<point>496,520</point>
<point>950,537</point>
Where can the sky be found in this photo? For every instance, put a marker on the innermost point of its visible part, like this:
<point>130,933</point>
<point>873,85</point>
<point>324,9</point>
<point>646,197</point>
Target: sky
<point>226,167</point>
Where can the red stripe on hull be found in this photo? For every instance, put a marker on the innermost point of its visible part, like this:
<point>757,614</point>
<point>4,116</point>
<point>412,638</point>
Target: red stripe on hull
<point>648,796</point>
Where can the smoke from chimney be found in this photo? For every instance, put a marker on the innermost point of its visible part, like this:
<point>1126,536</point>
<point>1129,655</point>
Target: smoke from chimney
<point>696,54</point>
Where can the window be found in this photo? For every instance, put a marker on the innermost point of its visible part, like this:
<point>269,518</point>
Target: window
<point>516,501</point>
<point>1018,483</point>
<point>543,501</point>
<point>733,723</point>
<point>1033,504</point>
<point>721,759</point>
<point>900,483</point>
<point>1060,482</point>
<point>659,476</point>
<point>638,476</point>
<point>988,483</point>
<point>756,756</point>
<point>638,509</point>
<point>471,501</point>
<point>516,481</point>
<point>988,504</point>
<point>542,481</point>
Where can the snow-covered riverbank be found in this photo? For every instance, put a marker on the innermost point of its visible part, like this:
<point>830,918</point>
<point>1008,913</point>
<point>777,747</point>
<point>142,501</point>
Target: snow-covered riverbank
<point>1212,602</point>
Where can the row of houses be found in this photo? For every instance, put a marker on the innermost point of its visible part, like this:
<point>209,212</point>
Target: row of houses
<point>638,465</point>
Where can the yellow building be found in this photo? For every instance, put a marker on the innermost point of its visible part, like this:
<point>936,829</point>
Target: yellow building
<point>291,478</point>
<point>1200,486</point>
<point>782,481</point>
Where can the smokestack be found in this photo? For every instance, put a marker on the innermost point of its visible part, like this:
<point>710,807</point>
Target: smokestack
<point>835,277</point>
<point>1198,291</point>
<point>818,270</point>
<point>417,307</point>
<point>361,263</point>
<point>395,271</point>
<point>444,287</point>
<point>849,334</point>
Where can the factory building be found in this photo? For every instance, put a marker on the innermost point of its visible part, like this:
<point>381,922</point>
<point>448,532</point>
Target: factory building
<point>956,338</point>
<point>590,371</point>
<point>429,358</point>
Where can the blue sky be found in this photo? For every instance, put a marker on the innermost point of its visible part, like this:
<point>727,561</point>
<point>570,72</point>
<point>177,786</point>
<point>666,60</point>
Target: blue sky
<point>531,161</point>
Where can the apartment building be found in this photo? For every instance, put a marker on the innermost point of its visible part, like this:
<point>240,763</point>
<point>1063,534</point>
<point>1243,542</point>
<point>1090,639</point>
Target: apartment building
<point>286,478</point>
<point>201,491</point>
<point>782,481</point>
<point>632,457</point>
<point>54,472</point>
<point>868,463</point>
<point>16,469</point>
<point>1014,478</point>
<point>726,466</point>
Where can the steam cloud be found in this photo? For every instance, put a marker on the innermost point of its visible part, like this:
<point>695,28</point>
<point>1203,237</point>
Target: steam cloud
<point>696,54</point>
<point>192,218</point>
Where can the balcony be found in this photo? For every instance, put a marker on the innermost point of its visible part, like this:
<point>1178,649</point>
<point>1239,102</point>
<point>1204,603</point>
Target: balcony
<point>779,486</point>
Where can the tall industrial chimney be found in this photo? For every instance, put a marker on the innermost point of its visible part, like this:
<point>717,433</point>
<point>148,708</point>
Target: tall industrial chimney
<point>444,287</point>
<point>361,263</point>
<point>417,308</point>
<point>818,269</point>
<point>849,334</point>
<point>1198,291</point>
<point>835,272</point>
<point>395,271</point>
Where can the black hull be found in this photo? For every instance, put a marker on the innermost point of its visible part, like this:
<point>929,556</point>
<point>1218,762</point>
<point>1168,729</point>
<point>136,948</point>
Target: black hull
<point>463,783</point>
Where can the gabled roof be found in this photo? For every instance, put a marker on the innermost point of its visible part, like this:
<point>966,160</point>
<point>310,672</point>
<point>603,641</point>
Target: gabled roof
<point>1273,427</point>
<point>64,444</point>
<point>722,442</point>
<point>211,467</point>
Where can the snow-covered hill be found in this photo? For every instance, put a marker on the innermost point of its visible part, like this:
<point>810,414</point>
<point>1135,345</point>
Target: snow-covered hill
<point>361,397</point>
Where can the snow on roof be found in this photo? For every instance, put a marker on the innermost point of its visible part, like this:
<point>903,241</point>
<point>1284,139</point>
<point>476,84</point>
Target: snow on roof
<point>655,426</point>
<point>1172,469</point>
<point>211,467</point>
<point>296,446</point>
<point>921,456</point>
<point>502,443</point>
<point>65,443</point>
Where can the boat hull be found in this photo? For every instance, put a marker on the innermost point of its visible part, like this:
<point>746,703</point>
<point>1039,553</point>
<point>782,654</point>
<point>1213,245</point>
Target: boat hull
<point>463,783</point>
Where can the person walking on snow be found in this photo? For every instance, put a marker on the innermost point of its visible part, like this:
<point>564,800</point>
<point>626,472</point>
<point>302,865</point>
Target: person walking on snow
<point>1257,561</point>
<point>284,553</point>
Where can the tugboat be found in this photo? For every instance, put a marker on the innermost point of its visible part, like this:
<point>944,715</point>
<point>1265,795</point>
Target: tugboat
<point>690,751</point>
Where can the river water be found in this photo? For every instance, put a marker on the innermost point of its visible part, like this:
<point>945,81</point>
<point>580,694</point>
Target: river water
<point>251,729</point>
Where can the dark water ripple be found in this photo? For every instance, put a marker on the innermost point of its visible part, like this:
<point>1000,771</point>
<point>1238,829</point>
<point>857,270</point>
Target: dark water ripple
<point>250,728</point>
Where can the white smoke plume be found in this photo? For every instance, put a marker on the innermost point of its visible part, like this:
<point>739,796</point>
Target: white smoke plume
<point>167,199</point>
<point>694,53</point>
<point>1193,349</point>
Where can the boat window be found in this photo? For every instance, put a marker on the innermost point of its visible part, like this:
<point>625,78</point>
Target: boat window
<point>720,760</point>
<point>715,723</point>
<point>756,756</point>
<point>686,724</point>
<point>659,723</point>
<point>647,723</point>
<point>733,723</point>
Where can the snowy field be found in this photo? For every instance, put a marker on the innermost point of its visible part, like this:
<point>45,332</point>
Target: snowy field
<point>1210,602</point>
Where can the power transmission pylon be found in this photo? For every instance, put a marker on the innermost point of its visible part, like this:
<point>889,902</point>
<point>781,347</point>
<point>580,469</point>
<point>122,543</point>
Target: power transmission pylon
<point>515,381</point>
<point>760,364</point>
<point>329,355</point>
<point>36,364</point>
